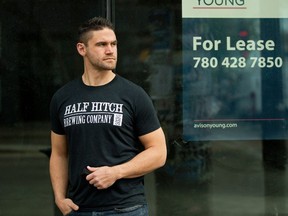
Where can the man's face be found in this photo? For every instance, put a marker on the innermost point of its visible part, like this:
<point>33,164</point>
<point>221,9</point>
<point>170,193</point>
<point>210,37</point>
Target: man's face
<point>101,50</point>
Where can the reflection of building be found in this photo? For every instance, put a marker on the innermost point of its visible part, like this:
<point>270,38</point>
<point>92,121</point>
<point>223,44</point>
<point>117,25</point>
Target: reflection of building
<point>37,48</point>
<point>37,55</point>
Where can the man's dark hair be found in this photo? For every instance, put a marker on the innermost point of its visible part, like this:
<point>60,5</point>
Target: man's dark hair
<point>93,24</point>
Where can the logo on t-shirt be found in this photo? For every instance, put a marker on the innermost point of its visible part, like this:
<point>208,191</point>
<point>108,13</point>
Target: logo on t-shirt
<point>93,113</point>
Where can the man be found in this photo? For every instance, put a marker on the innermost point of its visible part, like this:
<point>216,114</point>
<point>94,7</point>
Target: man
<point>105,135</point>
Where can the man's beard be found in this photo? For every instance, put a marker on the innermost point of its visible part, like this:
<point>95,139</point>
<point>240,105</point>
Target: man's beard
<point>105,66</point>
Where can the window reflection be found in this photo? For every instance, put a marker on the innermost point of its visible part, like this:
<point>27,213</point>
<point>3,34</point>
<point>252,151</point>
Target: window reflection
<point>37,56</point>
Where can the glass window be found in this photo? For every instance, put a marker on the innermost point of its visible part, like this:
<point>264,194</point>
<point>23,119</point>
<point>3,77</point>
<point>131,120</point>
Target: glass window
<point>237,171</point>
<point>209,172</point>
<point>37,56</point>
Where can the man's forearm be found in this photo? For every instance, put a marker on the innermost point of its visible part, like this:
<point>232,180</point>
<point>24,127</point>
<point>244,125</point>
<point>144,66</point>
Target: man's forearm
<point>153,157</point>
<point>59,175</point>
<point>145,162</point>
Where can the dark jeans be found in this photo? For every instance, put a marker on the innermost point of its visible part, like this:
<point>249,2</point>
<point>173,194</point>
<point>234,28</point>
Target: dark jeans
<point>138,210</point>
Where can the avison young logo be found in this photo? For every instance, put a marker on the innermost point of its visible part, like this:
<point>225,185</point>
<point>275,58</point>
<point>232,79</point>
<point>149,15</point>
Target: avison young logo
<point>220,3</point>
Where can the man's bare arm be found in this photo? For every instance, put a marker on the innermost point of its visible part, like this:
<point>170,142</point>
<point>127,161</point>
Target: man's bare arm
<point>59,173</point>
<point>153,157</point>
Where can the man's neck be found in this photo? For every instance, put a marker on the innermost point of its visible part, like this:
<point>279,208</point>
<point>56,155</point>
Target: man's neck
<point>97,78</point>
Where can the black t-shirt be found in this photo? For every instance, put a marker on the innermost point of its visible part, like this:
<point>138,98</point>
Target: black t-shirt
<point>102,125</point>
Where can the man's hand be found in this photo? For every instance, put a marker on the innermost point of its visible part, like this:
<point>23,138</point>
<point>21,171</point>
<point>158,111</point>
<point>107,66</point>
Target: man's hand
<point>102,177</point>
<point>66,206</point>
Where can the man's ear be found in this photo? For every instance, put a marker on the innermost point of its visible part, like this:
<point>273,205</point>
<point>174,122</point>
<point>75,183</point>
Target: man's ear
<point>81,48</point>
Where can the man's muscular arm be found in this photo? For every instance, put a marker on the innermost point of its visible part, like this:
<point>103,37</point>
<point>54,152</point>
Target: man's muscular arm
<point>59,173</point>
<point>153,157</point>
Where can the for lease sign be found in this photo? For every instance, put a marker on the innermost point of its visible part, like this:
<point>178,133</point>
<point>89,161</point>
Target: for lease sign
<point>235,69</point>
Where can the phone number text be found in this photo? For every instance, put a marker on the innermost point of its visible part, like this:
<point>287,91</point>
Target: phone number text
<point>241,62</point>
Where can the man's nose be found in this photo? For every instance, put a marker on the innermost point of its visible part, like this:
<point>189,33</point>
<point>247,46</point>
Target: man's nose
<point>109,49</point>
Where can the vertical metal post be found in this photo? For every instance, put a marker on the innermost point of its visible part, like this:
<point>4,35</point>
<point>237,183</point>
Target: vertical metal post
<point>110,13</point>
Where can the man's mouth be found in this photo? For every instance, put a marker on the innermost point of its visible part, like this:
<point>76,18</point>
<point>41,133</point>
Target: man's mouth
<point>109,59</point>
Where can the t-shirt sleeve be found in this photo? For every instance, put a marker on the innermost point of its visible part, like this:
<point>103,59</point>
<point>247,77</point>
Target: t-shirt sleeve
<point>146,117</point>
<point>56,125</point>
